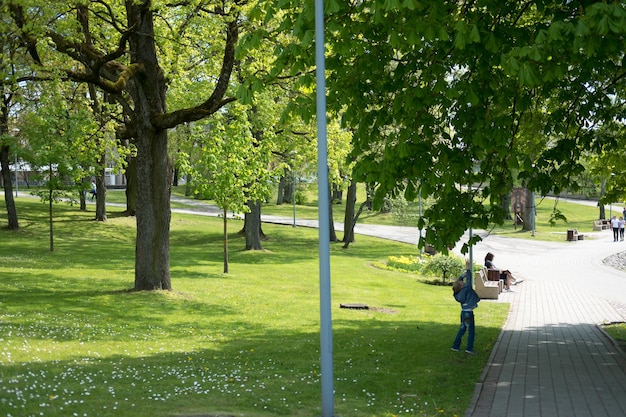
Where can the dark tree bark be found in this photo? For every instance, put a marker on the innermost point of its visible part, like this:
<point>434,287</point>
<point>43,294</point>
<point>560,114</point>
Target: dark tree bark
<point>152,250</point>
<point>331,223</point>
<point>528,215</point>
<point>176,174</point>
<point>281,191</point>
<point>4,165</point>
<point>602,213</point>
<point>131,186</point>
<point>101,193</point>
<point>337,196</point>
<point>82,197</point>
<point>101,210</point>
<point>348,219</point>
<point>289,189</point>
<point>505,203</point>
<point>349,237</point>
<point>8,189</point>
<point>188,186</point>
<point>252,226</point>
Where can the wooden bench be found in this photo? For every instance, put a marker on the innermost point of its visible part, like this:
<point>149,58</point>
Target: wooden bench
<point>484,288</point>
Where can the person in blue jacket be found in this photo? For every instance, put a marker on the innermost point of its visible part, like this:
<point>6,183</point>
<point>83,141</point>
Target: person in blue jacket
<point>467,297</point>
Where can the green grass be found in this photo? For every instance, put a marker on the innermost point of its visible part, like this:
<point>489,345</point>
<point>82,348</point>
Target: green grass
<point>76,342</point>
<point>617,332</point>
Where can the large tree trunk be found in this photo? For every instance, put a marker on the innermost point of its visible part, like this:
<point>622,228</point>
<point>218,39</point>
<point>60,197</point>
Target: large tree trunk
<point>83,194</point>
<point>529,218</point>
<point>6,172</point>
<point>188,185</point>
<point>8,189</point>
<point>290,190</point>
<point>331,223</point>
<point>505,203</point>
<point>337,197</point>
<point>101,193</point>
<point>252,226</point>
<point>281,191</point>
<point>175,179</point>
<point>152,254</point>
<point>348,219</point>
<point>602,213</point>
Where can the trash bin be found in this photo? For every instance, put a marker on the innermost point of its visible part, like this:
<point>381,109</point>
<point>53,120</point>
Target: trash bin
<point>571,235</point>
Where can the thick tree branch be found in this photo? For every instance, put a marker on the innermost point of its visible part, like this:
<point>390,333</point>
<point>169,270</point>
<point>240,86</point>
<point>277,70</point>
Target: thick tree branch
<point>17,13</point>
<point>122,80</point>
<point>217,100</point>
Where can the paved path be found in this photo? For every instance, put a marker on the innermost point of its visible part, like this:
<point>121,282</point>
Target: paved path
<point>552,359</point>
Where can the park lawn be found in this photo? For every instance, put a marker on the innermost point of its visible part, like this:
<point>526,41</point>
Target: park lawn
<point>618,332</point>
<point>77,342</point>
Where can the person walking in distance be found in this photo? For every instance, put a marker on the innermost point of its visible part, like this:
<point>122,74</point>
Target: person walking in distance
<point>615,227</point>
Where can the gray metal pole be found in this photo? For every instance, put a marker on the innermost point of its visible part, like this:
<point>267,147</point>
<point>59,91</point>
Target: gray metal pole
<point>326,332</point>
<point>420,216</point>
<point>471,248</point>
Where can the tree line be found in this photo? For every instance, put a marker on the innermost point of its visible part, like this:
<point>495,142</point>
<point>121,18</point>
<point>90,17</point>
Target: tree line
<point>455,101</point>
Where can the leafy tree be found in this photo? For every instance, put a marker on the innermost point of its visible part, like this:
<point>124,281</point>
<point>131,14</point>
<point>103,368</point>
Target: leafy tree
<point>14,73</point>
<point>119,47</point>
<point>445,266</point>
<point>60,136</point>
<point>8,143</point>
<point>442,94</point>
<point>232,165</point>
<point>608,165</point>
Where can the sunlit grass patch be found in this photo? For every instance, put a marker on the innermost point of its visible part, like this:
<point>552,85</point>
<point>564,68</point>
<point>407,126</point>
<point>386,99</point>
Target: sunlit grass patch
<point>75,341</point>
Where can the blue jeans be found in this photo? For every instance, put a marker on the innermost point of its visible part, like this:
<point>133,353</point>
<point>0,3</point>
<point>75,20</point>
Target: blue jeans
<point>467,323</point>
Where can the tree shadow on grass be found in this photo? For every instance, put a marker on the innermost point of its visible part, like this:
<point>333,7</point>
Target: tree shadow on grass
<point>380,368</point>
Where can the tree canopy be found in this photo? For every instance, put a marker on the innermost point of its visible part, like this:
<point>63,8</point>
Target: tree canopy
<point>126,49</point>
<point>462,98</point>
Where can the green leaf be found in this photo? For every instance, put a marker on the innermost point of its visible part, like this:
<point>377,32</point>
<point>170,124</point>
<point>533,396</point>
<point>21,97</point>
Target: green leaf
<point>474,34</point>
<point>331,6</point>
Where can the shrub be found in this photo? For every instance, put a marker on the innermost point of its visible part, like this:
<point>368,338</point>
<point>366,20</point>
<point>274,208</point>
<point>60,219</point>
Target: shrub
<point>301,198</point>
<point>444,266</point>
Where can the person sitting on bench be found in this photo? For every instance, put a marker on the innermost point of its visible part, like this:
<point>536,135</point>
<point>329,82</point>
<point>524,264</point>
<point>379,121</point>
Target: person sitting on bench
<point>505,275</point>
